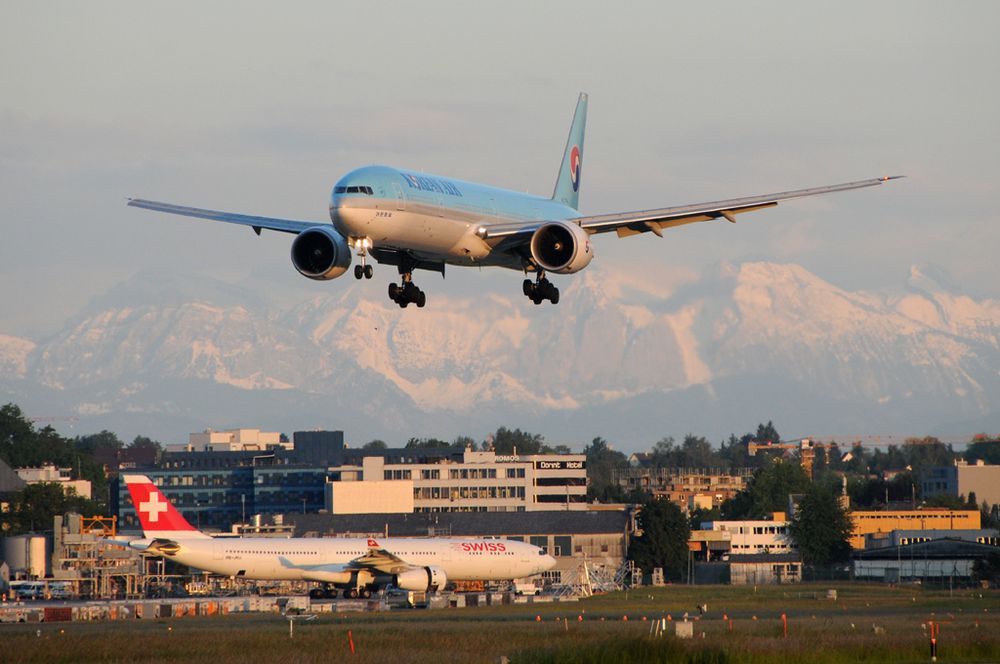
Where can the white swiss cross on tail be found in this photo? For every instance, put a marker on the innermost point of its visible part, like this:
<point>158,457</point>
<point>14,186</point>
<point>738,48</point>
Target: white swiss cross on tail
<point>153,507</point>
<point>158,517</point>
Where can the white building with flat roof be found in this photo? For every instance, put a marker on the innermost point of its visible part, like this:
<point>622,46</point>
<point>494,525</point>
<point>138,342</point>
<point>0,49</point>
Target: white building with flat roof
<point>232,440</point>
<point>61,476</point>
<point>757,536</point>
<point>466,482</point>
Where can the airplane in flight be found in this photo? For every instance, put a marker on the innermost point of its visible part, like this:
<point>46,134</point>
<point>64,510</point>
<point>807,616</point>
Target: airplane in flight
<point>356,567</point>
<point>417,221</point>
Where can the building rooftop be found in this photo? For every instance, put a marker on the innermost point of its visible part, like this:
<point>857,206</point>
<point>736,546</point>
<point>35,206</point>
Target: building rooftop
<point>464,524</point>
<point>946,548</point>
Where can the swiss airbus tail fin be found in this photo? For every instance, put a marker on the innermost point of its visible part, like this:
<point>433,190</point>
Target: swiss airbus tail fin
<point>159,518</point>
<point>568,183</point>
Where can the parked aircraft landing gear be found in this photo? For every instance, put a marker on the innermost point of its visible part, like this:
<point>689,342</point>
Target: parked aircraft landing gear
<point>541,289</point>
<point>407,293</point>
<point>354,593</point>
<point>326,592</point>
<point>363,270</point>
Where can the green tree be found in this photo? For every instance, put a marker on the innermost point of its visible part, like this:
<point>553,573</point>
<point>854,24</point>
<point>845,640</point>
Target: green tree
<point>427,443</point>
<point>602,462</point>
<point>984,448</point>
<point>33,508</point>
<point>987,569</point>
<point>21,445</point>
<point>733,452</point>
<point>697,452</point>
<point>947,501</point>
<point>462,442</point>
<point>506,441</point>
<point>821,527</point>
<point>664,539</point>
<point>767,491</point>
<point>375,445</point>
<point>665,453</point>
<point>927,452</point>
<point>92,442</point>
<point>766,433</point>
<point>146,444</point>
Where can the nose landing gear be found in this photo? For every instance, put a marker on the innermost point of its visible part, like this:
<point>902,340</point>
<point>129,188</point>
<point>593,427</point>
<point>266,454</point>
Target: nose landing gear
<point>364,269</point>
<point>540,289</point>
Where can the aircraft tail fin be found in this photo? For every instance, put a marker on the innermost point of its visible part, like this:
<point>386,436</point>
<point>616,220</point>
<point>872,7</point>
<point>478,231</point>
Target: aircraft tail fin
<point>567,189</point>
<point>159,518</point>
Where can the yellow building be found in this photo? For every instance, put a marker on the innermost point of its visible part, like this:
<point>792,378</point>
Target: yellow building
<point>867,522</point>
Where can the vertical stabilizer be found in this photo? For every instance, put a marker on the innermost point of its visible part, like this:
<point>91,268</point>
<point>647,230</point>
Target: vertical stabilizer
<point>159,518</point>
<point>567,189</point>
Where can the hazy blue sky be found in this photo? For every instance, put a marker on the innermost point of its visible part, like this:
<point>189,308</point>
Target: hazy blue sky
<point>260,107</point>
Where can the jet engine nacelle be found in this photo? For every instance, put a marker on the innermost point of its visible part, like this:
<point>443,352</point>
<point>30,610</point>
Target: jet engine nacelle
<point>423,578</point>
<point>561,247</point>
<point>321,253</point>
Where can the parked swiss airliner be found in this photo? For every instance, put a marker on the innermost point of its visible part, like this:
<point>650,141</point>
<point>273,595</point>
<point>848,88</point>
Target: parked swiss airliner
<point>357,567</point>
<point>417,221</point>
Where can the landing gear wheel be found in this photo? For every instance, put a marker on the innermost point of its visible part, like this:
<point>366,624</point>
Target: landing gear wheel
<point>368,271</point>
<point>317,593</point>
<point>367,593</point>
<point>331,593</point>
<point>421,299</point>
<point>359,271</point>
<point>393,292</point>
<point>351,594</point>
<point>540,289</point>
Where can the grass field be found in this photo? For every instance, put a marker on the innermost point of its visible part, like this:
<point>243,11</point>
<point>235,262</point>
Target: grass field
<point>866,623</point>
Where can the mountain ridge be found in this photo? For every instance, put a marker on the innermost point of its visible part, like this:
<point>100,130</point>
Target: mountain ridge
<point>712,355</point>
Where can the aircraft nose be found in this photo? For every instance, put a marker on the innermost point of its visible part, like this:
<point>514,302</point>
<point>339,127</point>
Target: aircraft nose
<point>548,562</point>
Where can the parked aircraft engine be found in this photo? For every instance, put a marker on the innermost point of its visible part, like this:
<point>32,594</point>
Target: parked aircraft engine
<point>561,247</point>
<point>321,253</point>
<point>423,578</point>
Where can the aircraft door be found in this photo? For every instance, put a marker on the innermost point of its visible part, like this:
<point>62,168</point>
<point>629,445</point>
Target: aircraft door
<point>400,200</point>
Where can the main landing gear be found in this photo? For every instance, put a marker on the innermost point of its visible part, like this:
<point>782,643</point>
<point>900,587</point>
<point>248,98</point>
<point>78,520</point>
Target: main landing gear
<point>326,592</point>
<point>365,271</point>
<point>541,289</point>
<point>407,293</point>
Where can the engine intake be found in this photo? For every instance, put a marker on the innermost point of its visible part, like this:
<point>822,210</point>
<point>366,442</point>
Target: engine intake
<point>321,253</point>
<point>561,247</point>
<point>423,578</point>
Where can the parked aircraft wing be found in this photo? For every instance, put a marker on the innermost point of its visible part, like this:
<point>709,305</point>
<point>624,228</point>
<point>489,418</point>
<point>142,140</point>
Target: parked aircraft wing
<point>254,222</point>
<point>376,559</point>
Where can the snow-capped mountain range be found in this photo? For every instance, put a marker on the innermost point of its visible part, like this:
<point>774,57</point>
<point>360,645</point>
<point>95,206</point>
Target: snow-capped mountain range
<point>627,360</point>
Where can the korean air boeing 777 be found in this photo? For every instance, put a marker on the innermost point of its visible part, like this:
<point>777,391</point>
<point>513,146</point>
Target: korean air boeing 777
<point>416,221</point>
<point>355,566</point>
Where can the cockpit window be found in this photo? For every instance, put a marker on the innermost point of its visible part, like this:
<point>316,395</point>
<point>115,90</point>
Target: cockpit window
<point>358,189</point>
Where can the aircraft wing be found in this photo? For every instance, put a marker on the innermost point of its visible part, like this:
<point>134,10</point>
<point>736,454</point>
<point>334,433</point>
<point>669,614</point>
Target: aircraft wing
<point>254,222</point>
<point>375,559</point>
<point>642,221</point>
<point>383,561</point>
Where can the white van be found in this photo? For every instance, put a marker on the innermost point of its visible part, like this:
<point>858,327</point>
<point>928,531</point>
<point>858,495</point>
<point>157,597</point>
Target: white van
<point>27,589</point>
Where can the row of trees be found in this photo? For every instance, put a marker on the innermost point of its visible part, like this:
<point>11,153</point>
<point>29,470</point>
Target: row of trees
<point>22,445</point>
